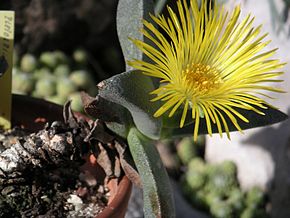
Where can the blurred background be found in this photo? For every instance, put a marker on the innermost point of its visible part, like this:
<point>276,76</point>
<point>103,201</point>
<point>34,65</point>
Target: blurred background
<point>63,47</point>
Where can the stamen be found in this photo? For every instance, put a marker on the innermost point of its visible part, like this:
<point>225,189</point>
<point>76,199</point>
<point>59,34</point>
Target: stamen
<point>202,78</point>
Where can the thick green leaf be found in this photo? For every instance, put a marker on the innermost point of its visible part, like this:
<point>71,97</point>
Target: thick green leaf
<point>271,116</point>
<point>131,90</point>
<point>130,15</point>
<point>157,193</point>
<point>174,121</point>
<point>120,129</point>
<point>122,126</point>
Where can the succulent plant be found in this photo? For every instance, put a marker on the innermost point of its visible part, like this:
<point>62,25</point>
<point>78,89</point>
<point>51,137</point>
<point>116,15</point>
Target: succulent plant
<point>61,57</point>
<point>186,150</point>
<point>28,63</point>
<point>188,96</point>
<point>195,179</point>
<point>48,59</point>
<point>236,199</point>
<point>80,56</point>
<point>221,209</point>
<point>255,197</point>
<point>57,66</point>
<point>45,87</point>
<point>22,83</point>
<point>172,88</point>
<point>197,164</point>
<point>55,99</point>
<point>62,70</point>
<point>81,78</point>
<point>76,101</point>
<point>65,87</point>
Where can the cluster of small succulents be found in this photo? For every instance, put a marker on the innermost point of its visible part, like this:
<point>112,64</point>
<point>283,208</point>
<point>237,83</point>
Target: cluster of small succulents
<point>215,188</point>
<point>53,76</point>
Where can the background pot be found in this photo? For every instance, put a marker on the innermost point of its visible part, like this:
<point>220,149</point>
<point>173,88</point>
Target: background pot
<point>32,114</point>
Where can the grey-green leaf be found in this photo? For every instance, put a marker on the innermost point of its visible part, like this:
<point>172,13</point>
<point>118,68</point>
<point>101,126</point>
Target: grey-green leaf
<point>271,116</point>
<point>157,193</point>
<point>131,90</point>
<point>174,121</point>
<point>130,15</point>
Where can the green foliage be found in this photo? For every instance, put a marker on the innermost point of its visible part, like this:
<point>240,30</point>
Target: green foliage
<point>45,87</point>
<point>61,58</point>
<point>40,73</point>
<point>199,199</point>
<point>53,76</point>
<point>62,70</point>
<point>221,209</point>
<point>196,164</point>
<point>56,99</point>
<point>195,179</point>
<point>76,101</point>
<point>220,181</point>
<point>23,82</point>
<point>65,87</point>
<point>80,56</point>
<point>48,59</point>
<point>254,213</point>
<point>131,90</point>
<point>272,115</point>
<point>81,78</point>
<point>174,121</point>
<point>229,167</point>
<point>215,189</point>
<point>186,150</point>
<point>255,197</point>
<point>236,199</point>
<point>157,194</point>
<point>129,23</point>
<point>211,198</point>
<point>28,63</point>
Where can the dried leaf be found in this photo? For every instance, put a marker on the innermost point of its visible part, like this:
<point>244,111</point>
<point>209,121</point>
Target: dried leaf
<point>104,160</point>
<point>99,108</point>
<point>98,133</point>
<point>127,164</point>
<point>68,115</point>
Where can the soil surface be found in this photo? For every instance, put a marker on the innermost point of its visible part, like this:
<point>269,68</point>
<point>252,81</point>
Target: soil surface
<point>40,173</point>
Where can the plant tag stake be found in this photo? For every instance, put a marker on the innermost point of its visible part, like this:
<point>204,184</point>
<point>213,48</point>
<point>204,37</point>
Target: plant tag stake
<point>6,53</point>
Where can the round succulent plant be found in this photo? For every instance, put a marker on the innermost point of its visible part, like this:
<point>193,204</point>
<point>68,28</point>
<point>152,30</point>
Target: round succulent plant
<point>65,87</point>
<point>45,87</point>
<point>28,63</point>
<point>48,59</point>
<point>22,83</point>
<point>186,150</point>
<point>54,76</point>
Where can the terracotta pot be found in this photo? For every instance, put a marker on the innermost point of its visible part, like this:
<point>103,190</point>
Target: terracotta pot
<point>33,113</point>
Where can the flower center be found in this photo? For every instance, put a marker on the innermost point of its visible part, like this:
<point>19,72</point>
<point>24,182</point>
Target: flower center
<point>202,78</point>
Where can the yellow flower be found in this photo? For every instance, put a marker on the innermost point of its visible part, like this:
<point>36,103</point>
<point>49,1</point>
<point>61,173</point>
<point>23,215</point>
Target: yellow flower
<point>208,63</point>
